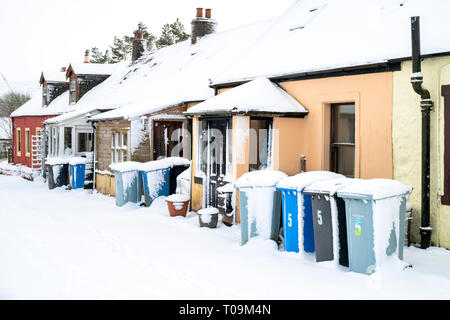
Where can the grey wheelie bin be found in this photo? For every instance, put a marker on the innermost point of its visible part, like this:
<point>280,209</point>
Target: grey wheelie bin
<point>128,182</point>
<point>329,220</point>
<point>58,169</point>
<point>298,229</point>
<point>375,214</point>
<point>259,204</point>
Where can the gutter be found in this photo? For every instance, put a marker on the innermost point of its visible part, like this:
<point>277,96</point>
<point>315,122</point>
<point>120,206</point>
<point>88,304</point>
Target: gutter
<point>426,105</point>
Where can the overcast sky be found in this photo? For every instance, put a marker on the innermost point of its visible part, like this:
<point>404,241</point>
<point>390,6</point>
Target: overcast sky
<point>38,35</point>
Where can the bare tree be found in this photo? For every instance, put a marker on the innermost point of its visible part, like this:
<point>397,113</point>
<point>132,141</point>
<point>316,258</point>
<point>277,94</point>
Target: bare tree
<point>10,101</point>
<point>5,128</point>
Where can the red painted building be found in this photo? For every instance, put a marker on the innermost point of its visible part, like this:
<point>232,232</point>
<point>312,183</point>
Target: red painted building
<point>28,120</point>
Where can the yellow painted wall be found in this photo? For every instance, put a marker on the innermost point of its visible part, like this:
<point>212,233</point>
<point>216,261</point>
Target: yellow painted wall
<point>406,133</point>
<point>310,136</point>
<point>105,184</point>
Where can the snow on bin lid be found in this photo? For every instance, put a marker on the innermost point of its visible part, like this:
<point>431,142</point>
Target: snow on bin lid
<point>77,160</point>
<point>210,210</point>
<point>330,186</point>
<point>164,163</point>
<point>375,189</point>
<point>56,160</point>
<point>260,178</point>
<point>304,179</point>
<point>125,166</point>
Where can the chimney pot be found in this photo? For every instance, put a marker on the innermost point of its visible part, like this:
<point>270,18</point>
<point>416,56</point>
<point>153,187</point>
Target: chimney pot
<point>208,13</point>
<point>63,69</point>
<point>86,56</point>
<point>199,13</point>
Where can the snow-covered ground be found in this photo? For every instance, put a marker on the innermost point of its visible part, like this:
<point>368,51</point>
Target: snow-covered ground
<point>62,244</point>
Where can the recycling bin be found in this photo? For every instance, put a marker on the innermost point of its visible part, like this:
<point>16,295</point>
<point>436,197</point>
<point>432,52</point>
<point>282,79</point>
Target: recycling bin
<point>259,204</point>
<point>375,218</point>
<point>128,182</point>
<point>174,172</point>
<point>155,177</point>
<point>329,220</point>
<point>297,209</point>
<point>77,172</point>
<point>57,172</point>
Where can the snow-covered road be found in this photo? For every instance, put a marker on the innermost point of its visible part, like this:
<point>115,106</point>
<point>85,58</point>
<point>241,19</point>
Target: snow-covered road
<point>63,244</point>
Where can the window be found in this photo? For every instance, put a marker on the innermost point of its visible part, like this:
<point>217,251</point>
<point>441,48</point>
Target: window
<point>39,131</point>
<point>44,94</point>
<point>119,146</point>
<point>73,90</point>
<point>18,142</point>
<point>27,142</point>
<point>84,142</point>
<point>67,141</point>
<point>342,158</point>
<point>54,141</point>
<point>260,143</point>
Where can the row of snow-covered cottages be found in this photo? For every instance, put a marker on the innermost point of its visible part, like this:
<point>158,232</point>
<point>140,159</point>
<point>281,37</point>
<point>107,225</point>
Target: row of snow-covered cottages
<point>313,89</point>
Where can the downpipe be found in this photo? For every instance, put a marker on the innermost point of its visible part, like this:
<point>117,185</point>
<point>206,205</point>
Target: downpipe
<point>426,106</point>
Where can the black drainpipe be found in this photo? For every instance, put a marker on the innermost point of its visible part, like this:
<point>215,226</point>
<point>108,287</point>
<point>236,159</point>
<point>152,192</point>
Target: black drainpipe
<point>426,105</point>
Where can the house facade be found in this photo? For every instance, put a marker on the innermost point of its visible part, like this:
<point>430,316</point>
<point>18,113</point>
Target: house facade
<point>406,136</point>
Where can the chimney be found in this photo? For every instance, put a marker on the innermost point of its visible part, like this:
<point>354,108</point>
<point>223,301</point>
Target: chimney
<point>63,69</point>
<point>201,26</point>
<point>139,46</point>
<point>208,13</point>
<point>86,56</point>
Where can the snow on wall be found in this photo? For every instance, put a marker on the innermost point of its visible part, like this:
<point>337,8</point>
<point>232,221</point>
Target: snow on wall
<point>137,133</point>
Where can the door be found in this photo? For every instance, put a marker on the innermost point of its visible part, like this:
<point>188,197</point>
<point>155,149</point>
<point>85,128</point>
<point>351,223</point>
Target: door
<point>164,133</point>
<point>217,157</point>
<point>342,148</point>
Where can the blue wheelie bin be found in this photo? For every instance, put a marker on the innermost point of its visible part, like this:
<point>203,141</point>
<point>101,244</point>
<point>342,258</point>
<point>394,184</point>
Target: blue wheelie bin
<point>259,204</point>
<point>375,214</point>
<point>77,172</point>
<point>155,176</point>
<point>297,209</point>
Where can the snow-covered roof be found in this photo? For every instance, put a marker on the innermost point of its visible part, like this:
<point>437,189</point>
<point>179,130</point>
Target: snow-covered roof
<point>93,68</point>
<point>33,107</point>
<point>53,76</point>
<point>170,76</point>
<point>260,95</point>
<point>321,35</point>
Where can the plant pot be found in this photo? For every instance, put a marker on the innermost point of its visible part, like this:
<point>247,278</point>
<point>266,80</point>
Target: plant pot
<point>178,204</point>
<point>208,217</point>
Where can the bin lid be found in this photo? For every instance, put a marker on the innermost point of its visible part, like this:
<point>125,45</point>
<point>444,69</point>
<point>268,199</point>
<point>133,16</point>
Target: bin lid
<point>55,160</point>
<point>304,179</point>
<point>164,163</point>
<point>374,189</point>
<point>77,160</point>
<point>260,178</point>
<point>329,186</point>
<point>125,166</point>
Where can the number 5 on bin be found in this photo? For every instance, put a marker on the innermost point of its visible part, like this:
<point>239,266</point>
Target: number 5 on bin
<point>289,220</point>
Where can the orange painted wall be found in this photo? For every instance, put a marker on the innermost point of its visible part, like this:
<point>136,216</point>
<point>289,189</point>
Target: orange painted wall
<point>372,95</point>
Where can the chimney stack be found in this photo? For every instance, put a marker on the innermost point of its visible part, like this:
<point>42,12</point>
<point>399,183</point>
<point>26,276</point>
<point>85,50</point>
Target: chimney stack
<point>139,46</point>
<point>63,69</point>
<point>86,56</point>
<point>201,26</point>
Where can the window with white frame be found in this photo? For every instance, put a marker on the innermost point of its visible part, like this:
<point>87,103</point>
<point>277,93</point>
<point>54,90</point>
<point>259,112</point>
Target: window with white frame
<point>119,146</point>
